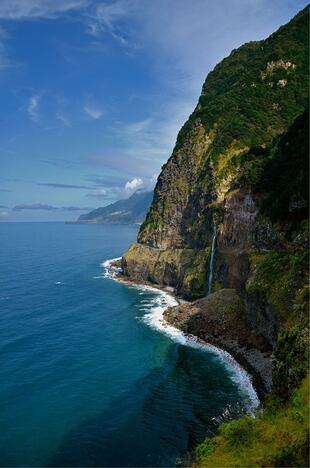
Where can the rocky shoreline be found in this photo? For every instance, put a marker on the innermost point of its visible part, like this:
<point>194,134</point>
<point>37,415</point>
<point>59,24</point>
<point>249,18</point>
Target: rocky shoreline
<point>212,325</point>
<point>216,320</point>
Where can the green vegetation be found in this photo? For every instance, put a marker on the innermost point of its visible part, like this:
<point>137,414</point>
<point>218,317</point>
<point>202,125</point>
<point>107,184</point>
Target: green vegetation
<point>285,179</point>
<point>281,275</point>
<point>273,438</point>
<point>242,98</point>
<point>195,279</point>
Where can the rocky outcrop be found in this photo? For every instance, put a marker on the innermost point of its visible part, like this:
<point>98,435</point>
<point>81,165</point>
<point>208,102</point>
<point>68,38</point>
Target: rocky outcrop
<point>183,269</point>
<point>220,319</point>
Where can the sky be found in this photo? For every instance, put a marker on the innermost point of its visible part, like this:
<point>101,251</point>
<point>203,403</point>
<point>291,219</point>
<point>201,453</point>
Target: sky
<point>93,92</point>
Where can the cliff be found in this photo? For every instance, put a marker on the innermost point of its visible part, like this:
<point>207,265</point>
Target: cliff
<point>235,190</point>
<point>133,210</point>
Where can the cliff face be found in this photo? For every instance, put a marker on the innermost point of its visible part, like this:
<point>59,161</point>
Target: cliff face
<point>210,182</point>
<point>238,179</point>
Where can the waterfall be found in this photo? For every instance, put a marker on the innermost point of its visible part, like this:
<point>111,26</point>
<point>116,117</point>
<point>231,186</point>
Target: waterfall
<point>211,265</point>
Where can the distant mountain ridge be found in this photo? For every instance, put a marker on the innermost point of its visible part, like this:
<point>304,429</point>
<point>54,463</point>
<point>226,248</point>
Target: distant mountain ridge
<point>130,211</point>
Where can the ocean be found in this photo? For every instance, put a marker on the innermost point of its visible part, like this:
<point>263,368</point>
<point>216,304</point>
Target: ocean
<point>89,373</point>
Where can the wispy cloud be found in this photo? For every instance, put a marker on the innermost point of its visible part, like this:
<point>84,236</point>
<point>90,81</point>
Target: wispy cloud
<point>106,18</point>
<point>63,186</point>
<point>94,112</point>
<point>33,107</point>
<point>137,127</point>
<point>151,140</point>
<point>34,206</point>
<point>5,190</point>
<point>64,120</point>
<point>27,9</point>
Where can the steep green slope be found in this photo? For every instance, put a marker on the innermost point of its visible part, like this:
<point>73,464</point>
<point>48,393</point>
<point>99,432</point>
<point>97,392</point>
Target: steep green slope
<point>277,437</point>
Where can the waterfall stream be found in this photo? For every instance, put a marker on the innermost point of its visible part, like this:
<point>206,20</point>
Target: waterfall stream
<point>211,266</point>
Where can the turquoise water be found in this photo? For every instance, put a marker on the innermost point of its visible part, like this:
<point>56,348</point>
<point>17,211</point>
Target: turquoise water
<point>85,380</point>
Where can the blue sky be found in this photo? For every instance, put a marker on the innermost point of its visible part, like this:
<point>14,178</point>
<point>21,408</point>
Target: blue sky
<point>94,92</point>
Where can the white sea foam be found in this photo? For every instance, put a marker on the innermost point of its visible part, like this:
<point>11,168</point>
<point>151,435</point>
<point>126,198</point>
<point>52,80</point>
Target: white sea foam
<point>110,271</point>
<point>155,319</point>
<point>58,282</point>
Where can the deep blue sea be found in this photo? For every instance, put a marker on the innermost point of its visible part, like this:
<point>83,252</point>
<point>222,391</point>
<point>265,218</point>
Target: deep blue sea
<point>89,376</point>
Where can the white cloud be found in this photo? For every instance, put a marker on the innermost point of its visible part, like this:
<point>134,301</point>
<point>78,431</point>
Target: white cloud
<point>105,18</point>
<point>25,9</point>
<point>152,139</point>
<point>134,184</point>
<point>33,108</point>
<point>137,127</point>
<point>93,111</point>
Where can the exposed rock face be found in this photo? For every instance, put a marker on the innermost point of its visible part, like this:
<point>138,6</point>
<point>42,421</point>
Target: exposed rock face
<point>164,267</point>
<point>183,269</point>
<point>177,198</point>
<point>262,317</point>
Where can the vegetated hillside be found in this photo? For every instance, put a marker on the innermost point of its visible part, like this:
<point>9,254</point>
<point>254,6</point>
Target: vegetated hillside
<point>130,211</point>
<point>278,284</point>
<point>239,172</point>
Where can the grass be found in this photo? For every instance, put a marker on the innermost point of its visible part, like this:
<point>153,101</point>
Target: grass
<point>274,438</point>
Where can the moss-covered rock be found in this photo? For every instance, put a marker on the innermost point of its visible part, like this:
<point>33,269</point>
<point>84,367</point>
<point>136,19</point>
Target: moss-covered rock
<point>183,269</point>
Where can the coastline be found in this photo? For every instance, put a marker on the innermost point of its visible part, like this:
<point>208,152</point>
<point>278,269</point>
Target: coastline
<point>223,331</point>
<point>241,373</point>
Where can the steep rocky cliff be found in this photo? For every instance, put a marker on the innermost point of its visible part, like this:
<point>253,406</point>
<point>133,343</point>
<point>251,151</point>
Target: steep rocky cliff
<point>238,180</point>
<point>247,101</point>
